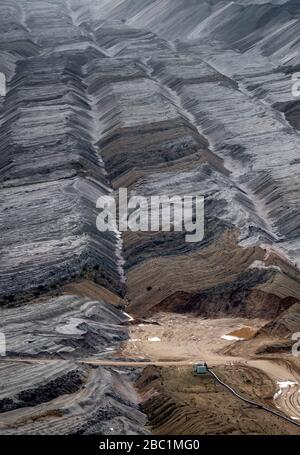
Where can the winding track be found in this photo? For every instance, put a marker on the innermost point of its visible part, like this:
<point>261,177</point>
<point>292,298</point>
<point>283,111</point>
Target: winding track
<point>289,398</point>
<point>251,402</point>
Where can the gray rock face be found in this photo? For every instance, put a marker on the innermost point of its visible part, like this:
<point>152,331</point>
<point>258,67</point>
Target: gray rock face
<point>65,398</point>
<point>161,97</point>
<point>68,326</point>
<point>102,94</point>
<point>50,164</point>
<point>54,391</point>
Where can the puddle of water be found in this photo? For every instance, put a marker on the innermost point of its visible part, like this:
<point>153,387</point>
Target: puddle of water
<point>283,385</point>
<point>70,327</point>
<point>244,333</point>
<point>230,338</point>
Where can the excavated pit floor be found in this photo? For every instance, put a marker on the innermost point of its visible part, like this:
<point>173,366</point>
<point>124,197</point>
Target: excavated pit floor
<point>177,402</point>
<point>178,337</point>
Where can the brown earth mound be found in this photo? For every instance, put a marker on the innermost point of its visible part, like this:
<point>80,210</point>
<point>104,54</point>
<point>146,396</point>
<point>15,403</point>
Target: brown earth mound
<point>178,402</point>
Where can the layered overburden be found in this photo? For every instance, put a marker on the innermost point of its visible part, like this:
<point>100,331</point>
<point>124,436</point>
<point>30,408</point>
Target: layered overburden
<point>176,97</point>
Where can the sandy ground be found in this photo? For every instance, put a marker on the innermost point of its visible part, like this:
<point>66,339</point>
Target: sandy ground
<point>176,337</point>
<point>168,338</point>
<point>170,343</point>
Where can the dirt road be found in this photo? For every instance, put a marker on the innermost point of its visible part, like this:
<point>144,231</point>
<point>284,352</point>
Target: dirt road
<point>177,341</point>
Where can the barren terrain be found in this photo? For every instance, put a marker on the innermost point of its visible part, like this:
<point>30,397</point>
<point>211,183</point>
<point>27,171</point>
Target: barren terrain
<point>167,337</point>
<point>178,402</point>
<point>99,329</point>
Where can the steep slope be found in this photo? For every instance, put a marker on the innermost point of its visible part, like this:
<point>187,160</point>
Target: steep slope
<point>163,97</point>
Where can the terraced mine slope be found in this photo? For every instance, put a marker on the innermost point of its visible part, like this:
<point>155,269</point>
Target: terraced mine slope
<point>204,407</point>
<point>162,97</point>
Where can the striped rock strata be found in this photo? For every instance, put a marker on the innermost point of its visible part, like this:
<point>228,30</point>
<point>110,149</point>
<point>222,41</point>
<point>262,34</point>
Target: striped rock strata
<point>162,97</point>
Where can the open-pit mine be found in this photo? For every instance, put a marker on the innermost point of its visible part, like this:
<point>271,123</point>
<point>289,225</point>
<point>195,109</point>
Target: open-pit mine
<point>139,332</point>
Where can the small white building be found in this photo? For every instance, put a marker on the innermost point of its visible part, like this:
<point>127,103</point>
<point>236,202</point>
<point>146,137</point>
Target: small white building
<point>200,368</point>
